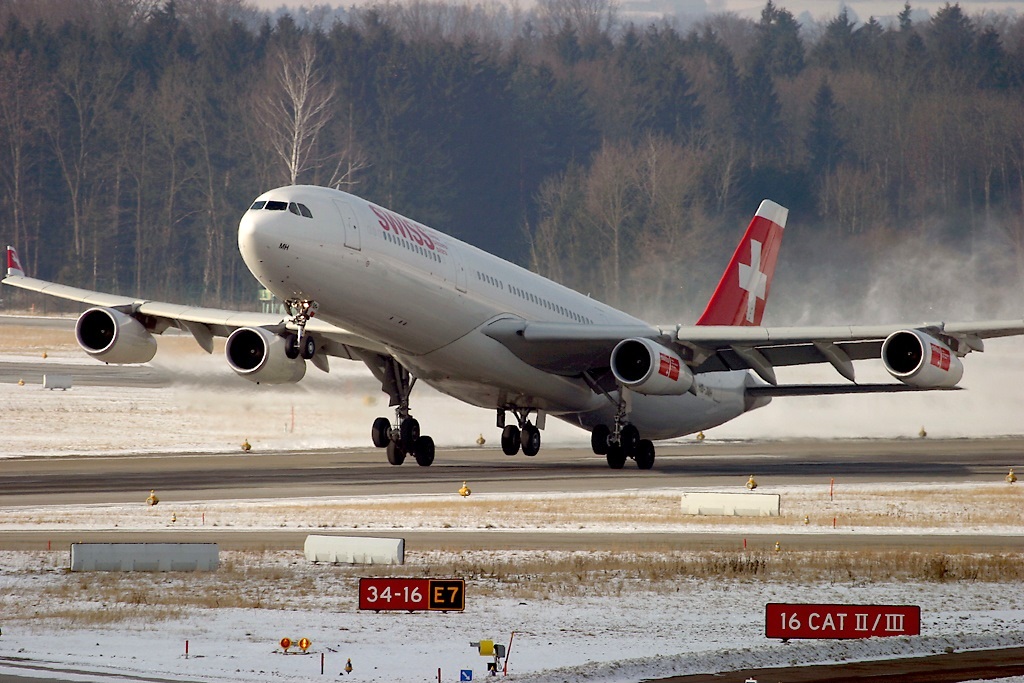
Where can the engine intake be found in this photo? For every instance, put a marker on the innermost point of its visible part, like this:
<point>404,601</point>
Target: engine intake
<point>920,360</point>
<point>647,367</point>
<point>111,336</point>
<point>259,356</point>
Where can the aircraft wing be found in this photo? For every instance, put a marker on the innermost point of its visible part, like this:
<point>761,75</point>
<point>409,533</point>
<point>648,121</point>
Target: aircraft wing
<point>571,350</point>
<point>203,323</point>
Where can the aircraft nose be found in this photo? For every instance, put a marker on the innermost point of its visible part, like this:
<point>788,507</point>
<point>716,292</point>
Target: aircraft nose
<point>252,239</point>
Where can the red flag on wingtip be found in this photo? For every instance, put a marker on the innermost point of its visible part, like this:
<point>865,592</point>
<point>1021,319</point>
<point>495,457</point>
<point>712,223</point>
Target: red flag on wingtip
<point>13,264</point>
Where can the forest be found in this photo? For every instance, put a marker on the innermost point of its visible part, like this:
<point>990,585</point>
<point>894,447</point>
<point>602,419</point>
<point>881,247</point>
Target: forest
<point>617,156</point>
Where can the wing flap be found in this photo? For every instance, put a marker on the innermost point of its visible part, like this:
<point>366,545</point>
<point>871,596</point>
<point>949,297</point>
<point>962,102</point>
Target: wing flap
<point>837,389</point>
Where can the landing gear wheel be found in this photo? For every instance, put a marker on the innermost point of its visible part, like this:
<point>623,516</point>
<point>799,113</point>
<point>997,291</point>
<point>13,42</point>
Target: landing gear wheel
<point>644,455</point>
<point>616,457</point>
<point>424,452</point>
<point>531,440</point>
<point>410,432</point>
<point>381,432</point>
<point>599,439</point>
<point>510,440</point>
<point>308,346</point>
<point>396,454</point>
<point>629,437</point>
<point>291,346</point>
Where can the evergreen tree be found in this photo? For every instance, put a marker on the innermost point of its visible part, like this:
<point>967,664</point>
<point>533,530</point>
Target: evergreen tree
<point>778,48</point>
<point>824,144</point>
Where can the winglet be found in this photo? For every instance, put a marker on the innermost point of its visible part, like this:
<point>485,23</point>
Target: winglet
<point>743,290</point>
<point>13,264</point>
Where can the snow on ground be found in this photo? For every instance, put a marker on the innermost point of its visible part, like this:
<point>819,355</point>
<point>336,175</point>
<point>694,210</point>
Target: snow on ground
<point>575,624</point>
<point>699,626</point>
<point>204,407</point>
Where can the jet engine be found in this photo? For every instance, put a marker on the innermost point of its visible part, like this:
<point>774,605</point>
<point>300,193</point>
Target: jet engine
<point>647,367</point>
<point>920,360</point>
<point>111,336</point>
<point>259,356</point>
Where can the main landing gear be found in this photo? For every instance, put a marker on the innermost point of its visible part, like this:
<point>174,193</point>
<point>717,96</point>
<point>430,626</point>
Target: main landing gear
<point>300,343</point>
<point>525,436</point>
<point>620,442</point>
<point>404,438</point>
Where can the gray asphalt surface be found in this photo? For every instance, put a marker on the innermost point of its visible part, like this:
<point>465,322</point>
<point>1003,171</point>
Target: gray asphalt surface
<point>285,474</point>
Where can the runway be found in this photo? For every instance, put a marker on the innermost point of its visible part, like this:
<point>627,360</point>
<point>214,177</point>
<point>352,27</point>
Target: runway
<point>283,474</point>
<point>363,472</point>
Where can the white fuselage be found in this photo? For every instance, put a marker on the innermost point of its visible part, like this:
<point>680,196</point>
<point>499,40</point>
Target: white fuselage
<point>426,296</point>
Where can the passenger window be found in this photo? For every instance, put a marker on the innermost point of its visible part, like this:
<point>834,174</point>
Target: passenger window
<point>305,211</point>
<point>257,206</point>
<point>276,206</point>
<point>294,208</point>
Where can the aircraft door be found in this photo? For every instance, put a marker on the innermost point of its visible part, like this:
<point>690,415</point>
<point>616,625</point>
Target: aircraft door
<point>460,271</point>
<point>349,224</point>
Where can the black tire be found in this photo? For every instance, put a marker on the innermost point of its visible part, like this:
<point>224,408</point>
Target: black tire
<point>424,452</point>
<point>599,439</point>
<point>308,346</point>
<point>381,432</point>
<point>629,437</point>
<point>531,440</point>
<point>645,455</point>
<point>410,432</point>
<point>510,440</point>
<point>291,346</point>
<point>396,454</point>
<point>616,457</point>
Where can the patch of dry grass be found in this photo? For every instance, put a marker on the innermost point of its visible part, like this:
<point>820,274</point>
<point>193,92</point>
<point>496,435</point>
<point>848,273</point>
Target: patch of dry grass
<point>41,589</point>
<point>923,506</point>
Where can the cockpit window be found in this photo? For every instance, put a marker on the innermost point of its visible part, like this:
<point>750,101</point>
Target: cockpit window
<point>294,207</point>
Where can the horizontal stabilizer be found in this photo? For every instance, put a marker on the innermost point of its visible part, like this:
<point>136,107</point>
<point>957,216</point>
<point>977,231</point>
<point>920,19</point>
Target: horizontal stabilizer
<point>835,389</point>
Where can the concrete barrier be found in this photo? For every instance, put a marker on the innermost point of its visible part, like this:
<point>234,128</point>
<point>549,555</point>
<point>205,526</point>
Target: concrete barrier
<point>144,557</point>
<point>57,382</point>
<point>354,550</point>
<point>732,504</point>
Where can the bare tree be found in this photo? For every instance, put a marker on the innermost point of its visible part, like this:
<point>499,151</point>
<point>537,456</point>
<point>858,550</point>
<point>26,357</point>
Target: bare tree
<point>88,93</point>
<point>590,19</point>
<point>23,99</point>
<point>293,106</point>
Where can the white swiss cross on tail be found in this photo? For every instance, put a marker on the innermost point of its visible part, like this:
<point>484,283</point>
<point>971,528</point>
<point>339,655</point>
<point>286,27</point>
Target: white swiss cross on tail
<point>743,290</point>
<point>752,280</point>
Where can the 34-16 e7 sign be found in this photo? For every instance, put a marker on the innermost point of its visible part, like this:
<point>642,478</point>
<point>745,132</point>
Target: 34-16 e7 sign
<point>840,621</point>
<point>412,595</point>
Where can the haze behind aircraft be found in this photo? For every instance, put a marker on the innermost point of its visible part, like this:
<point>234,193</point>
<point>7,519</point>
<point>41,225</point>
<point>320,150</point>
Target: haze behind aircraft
<point>415,304</point>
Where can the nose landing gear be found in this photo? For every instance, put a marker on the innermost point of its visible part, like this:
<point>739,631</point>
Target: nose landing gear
<point>300,343</point>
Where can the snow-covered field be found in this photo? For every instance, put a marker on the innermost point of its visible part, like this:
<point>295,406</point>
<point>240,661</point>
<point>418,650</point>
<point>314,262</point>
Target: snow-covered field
<point>576,616</point>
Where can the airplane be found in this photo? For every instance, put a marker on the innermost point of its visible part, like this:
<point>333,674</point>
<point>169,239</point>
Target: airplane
<point>363,283</point>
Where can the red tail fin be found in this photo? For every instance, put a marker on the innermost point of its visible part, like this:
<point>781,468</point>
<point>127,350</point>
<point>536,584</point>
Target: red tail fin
<point>13,264</point>
<point>742,292</point>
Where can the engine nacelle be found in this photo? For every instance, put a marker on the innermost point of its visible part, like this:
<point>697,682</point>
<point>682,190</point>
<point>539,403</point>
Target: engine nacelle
<point>259,356</point>
<point>647,367</point>
<point>920,360</point>
<point>111,336</point>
